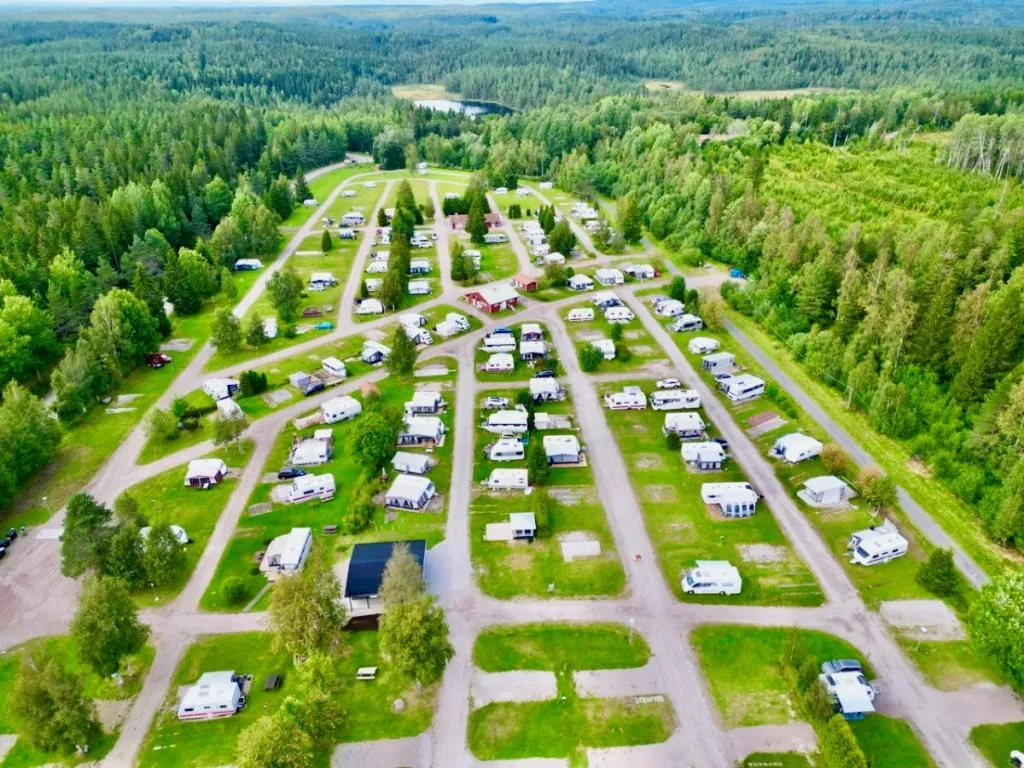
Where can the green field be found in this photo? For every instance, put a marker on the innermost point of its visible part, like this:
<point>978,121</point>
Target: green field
<point>512,569</point>
<point>995,742</point>
<point>554,646</point>
<point>565,726</point>
<point>684,530</point>
<point>255,532</point>
<point>172,743</point>
<point>165,499</point>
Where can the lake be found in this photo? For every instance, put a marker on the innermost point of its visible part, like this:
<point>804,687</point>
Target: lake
<point>465,106</point>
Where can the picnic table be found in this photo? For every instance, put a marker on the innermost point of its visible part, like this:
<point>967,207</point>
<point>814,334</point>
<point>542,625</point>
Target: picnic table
<point>273,682</point>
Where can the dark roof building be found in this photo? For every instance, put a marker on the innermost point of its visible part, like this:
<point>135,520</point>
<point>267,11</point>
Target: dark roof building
<point>366,568</point>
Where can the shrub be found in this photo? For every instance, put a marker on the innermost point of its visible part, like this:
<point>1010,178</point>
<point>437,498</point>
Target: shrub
<point>190,423</point>
<point>179,407</point>
<point>807,674</point>
<point>288,330</point>
<point>252,383</point>
<point>834,460</point>
<point>623,353</point>
<point>673,442</point>
<point>616,333</point>
<point>590,358</point>
<point>234,589</point>
<point>938,574</point>
<point>818,702</point>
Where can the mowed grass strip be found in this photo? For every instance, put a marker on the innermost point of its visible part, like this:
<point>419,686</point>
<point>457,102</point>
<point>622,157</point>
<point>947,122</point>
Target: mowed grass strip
<point>552,647</point>
<point>996,741</point>
<point>643,350</point>
<point>684,530</point>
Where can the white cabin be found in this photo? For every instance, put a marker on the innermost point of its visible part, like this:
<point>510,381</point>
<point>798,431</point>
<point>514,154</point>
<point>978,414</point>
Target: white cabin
<point>705,455</point>
<point>702,345</point>
<point>825,491</point>
<point>689,425</point>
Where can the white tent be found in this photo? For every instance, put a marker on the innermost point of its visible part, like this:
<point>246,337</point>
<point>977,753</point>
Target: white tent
<point>796,447</point>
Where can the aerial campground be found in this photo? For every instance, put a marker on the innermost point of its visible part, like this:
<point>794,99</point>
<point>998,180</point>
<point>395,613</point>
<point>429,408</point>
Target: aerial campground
<point>533,384</point>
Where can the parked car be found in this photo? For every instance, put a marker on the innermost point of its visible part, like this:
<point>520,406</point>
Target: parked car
<point>841,665</point>
<point>501,330</point>
<point>158,360</point>
<point>12,533</point>
<point>739,274</point>
<point>668,384</point>
<point>290,473</point>
<point>547,373</point>
<point>494,403</point>
<point>721,441</point>
<point>324,326</point>
<point>313,387</point>
<point>3,551</point>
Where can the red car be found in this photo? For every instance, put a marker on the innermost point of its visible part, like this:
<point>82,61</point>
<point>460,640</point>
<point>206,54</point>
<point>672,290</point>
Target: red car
<point>158,360</point>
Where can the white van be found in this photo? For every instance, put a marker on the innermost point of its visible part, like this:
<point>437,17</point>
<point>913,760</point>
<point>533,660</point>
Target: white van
<point>507,449</point>
<point>580,315</point>
<point>713,577</point>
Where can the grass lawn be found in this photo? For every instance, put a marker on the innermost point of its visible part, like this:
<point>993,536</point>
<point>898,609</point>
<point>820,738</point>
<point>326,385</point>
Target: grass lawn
<point>497,261</point>
<point>683,529</point>
<point>996,741</point>
<point>953,664</point>
<point>752,686</point>
<point>895,580</point>
<point>420,192</point>
<point>364,201</point>
<point>91,441</point>
<point>173,744</point>
<point>165,499</point>
<point>133,669</point>
<point>955,517</point>
<point>554,646</point>
<point>644,351</point>
<point>451,185</point>
<point>321,187</point>
<point>524,370</point>
<point>254,532</point>
<point>512,569</point>
<point>564,726</point>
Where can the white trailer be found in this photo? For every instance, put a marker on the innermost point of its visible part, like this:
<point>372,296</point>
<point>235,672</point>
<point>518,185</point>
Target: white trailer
<point>713,577</point>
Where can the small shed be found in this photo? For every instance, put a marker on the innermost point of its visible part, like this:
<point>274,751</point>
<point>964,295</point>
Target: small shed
<point>825,491</point>
<point>524,282</point>
<point>524,525</point>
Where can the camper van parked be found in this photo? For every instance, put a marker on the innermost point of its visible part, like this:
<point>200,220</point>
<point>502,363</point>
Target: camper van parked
<point>741,388</point>
<point>702,345</point>
<point>507,449</point>
<point>580,315</point>
<point>310,487</point>
<point>713,577</point>
<point>618,314</point>
<point>630,398</point>
<point>876,545</point>
<point>675,399</point>
<point>340,409</point>
<point>687,322</point>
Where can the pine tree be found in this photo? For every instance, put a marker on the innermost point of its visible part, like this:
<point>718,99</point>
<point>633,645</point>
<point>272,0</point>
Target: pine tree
<point>402,360</point>
<point>302,190</point>
<point>629,220</point>
<point>475,225</point>
<point>326,243</point>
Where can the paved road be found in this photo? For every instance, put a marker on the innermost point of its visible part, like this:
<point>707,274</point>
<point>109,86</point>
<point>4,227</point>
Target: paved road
<point>917,514</point>
<point>941,719</point>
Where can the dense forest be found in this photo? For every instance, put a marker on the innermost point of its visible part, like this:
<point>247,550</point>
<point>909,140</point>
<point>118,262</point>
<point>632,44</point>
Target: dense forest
<point>138,161</point>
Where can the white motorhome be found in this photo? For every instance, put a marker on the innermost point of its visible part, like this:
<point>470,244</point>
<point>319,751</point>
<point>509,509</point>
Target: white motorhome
<point>418,335</point>
<point>618,314</point>
<point>414,319</point>
<point>215,694</point>
<point>686,323</point>
<point>630,398</point>
<point>741,388</point>
<point>495,237</point>
<point>340,409</point>
<point>878,544</point>
<point>580,315</point>
<point>507,449</point>
<point>512,422</point>
<point>459,321</point>
<point>675,399</point>
<point>310,487</point>
<point>713,577</point>
<point>702,345</point>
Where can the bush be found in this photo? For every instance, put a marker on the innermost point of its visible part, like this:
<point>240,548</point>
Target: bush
<point>839,746</point>
<point>234,590</point>
<point>938,574</point>
<point>543,510</point>
<point>179,407</point>
<point>673,441</point>
<point>537,463</point>
<point>623,353</point>
<point>807,674</point>
<point>834,460</point>
<point>252,383</point>
<point>190,423</point>
<point>818,702</point>
<point>590,358</point>
<point>616,333</point>
<point>288,330</point>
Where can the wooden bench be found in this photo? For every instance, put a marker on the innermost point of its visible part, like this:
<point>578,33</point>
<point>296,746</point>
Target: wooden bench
<point>330,529</point>
<point>273,682</point>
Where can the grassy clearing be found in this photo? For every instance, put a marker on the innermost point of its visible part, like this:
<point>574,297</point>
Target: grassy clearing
<point>497,261</point>
<point>254,532</point>
<point>895,580</point>
<point>364,201</point>
<point>996,741</point>
<point>420,193</point>
<point>747,671</point>
<point>524,370</point>
<point>554,646</point>
<point>644,351</point>
<point>952,665</point>
<point>511,569</point>
<point>683,529</point>
<point>165,499</point>
<point>321,187</point>
<point>955,517</point>
<point>172,743</point>
<point>133,669</point>
<point>421,91</point>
